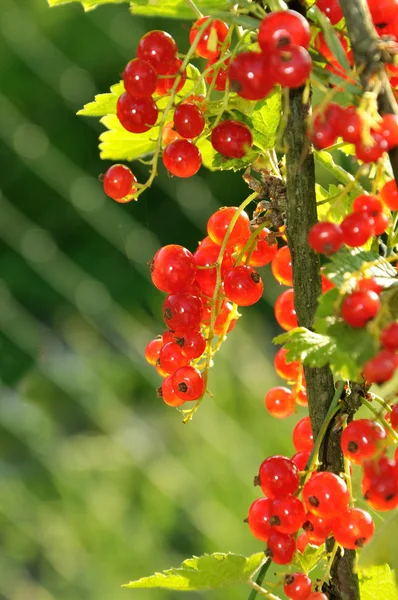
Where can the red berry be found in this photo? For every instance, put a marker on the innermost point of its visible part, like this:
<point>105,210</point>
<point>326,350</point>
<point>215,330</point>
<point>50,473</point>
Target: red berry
<point>370,204</point>
<point>188,383</point>
<point>331,8</point>
<point>280,548</point>
<point>173,269</point>
<point>168,74</point>
<point>136,114</point>
<point>283,28</point>
<point>188,120</point>
<point>119,182</point>
<point>300,395</point>
<point>168,336</point>
<point>359,307</point>
<point>325,237</point>
<point>282,266</point>
<point>290,65</point>
<point>219,222</point>
<point>182,158</point>
<point>394,417</point>
<point>362,439</point>
<point>326,284</point>
<point>285,312</point>
<point>300,459</point>
<point>287,370</point>
<point>389,129</point>
<point>389,337</point>
<point>297,586</point>
<point>389,194</point>
<point>212,40</point>
<point>192,344</point>
<point>349,127</point>
<point>278,477</point>
<point>264,252</point>
<point>205,257</point>
<point>169,134</point>
<point>317,528</point>
<point>369,284</point>
<point>140,78</point>
<point>182,312</point>
<point>381,368</point>
<point>287,514</point>
<point>171,358</point>
<point>323,134</point>
<point>383,11</point>
<point>231,138</point>
<point>280,402</point>
<point>303,438</point>
<point>157,48</point>
<point>357,228</point>
<point>152,350</point>
<point>372,153</point>
<point>250,75</point>
<point>220,326</point>
<point>380,484</point>
<point>220,73</point>
<point>258,519</point>
<point>353,528</point>
<point>243,285</point>
<point>326,495</point>
<point>168,394</point>
<point>381,223</point>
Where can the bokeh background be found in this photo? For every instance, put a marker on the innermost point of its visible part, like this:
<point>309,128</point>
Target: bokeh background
<point>100,482</point>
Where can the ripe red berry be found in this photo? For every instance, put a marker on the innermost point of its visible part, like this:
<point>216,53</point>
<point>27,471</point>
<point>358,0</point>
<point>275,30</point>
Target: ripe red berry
<point>283,28</point>
<point>250,76</point>
<point>380,484</point>
<point>325,494</point>
<point>140,78</point>
<point>192,344</point>
<point>219,222</point>
<point>280,548</point>
<point>171,358</point>
<point>278,477</point>
<point>331,8</point>
<point>389,337</point>
<point>168,336</point>
<point>280,402</point>
<point>169,134</point>
<point>362,439</point>
<point>188,120</point>
<point>243,285</point>
<point>381,368</point>
<point>389,195</point>
<point>212,40</point>
<point>325,237</point>
<point>167,75</point>
<point>281,266</point>
<point>357,228</point>
<point>258,519</point>
<point>264,252</point>
<point>220,73</point>
<point>168,394</point>
<point>349,126</point>
<point>224,318</point>
<point>368,203</point>
<point>353,528</point>
<point>173,269</point>
<point>136,114</point>
<point>381,223</point>
<point>290,65</point>
<point>231,138</point>
<point>206,257</point>
<point>317,528</point>
<point>297,586</point>
<point>188,383</point>
<point>119,182</point>
<point>394,417</point>
<point>182,158</point>
<point>285,312</point>
<point>182,312</point>
<point>303,438</point>
<point>287,370</point>
<point>383,11</point>
<point>369,284</point>
<point>287,514</point>
<point>157,48</point>
<point>374,152</point>
<point>359,307</point>
<point>300,459</point>
<point>152,350</point>
<point>300,394</point>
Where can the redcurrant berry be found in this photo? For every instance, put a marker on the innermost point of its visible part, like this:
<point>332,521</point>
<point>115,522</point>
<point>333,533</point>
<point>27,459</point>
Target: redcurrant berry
<point>171,358</point>
<point>243,285</point>
<point>317,528</point>
<point>157,48</point>
<point>353,528</point>
<point>300,459</point>
<point>188,383</point>
<point>219,222</point>
<point>140,78</point>
<point>389,337</point>
<point>152,350</point>
<point>258,519</point>
<point>224,324</point>
<point>291,65</point>
<point>280,548</point>
<point>381,368</point>
<point>326,494</point>
<point>182,312</point>
<point>212,40</point>
<point>383,11</point>
<point>303,438</point>
<point>188,120</point>
<point>331,8</point>
<point>287,514</point>
<point>207,277</point>
<point>168,394</point>
<point>278,477</point>
<point>264,251</point>
<point>297,586</point>
<point>362,439</point>
<point>285,312</point>
<point>374,152</point>
<point>281,266</point>
<point>173,269</point>
<point>359,307</point>
<point>192,344</point>
<point>287,370</point>
<point>283,28</point>
<point>280,402</point>
<point>357,228</point>
<point>250,75</point>
<point>136,114</point>
<point>119,183</point>
<point>219,74</point>
<point>325,237</point>
<point>167,76</point>
<point>231,138</point>
<point>182,158</point>
<point>389,195</point>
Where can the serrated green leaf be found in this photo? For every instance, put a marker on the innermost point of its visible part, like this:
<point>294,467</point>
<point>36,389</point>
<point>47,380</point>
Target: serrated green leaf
<point>325,312</point>
<point>87,4</point>
<point>207,572</point>
<point>222,163</point>
<point>309,559</point>
<point>382,548</point>
<point>334,205</point>
<point>325,159</point>
<point>348,261</point>
<point>265,120</point>
<point>120,144</point>
<point>176,9</point>
<point>103,104</point>
<point>311,348</point>
<point>331,38</point>
<point>208,153</point>
<point>378,582</point>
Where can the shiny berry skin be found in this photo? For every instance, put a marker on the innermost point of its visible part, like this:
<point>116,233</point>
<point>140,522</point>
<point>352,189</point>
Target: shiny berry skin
<point>173,269</point>
<point>380,368</point>
<point>287,370</point>
<point>283,28</point>
<point>330,8</point>
<point>389,337</point>
<point>182,158</point>
<point>394,417</point>
<point>325,237</point>
<point>353,528</point>
<point>381,223</point>
<point>303,438</point>
<point>359,307</point>
<point>152,350</point>
<point>243,285</point>
<point>224,324</point>
<point>263,252</point>
<point>221,77</point>
<point>389,128</point>
<point>380,484</point>
<point>280,402</point>
<point>188,120</point>
<point>250,76</point>
<point>216,32</point>
<point>383,11</point>
<point>168,394</point>
<point>300,395</point>
<point>326,495</point>
<point>168,336</point>
<point>291,66</point>
<point>188,383</point>
<point>258,519</point>
<point>370,204</point>
<point>157,48</point>
<point>285,312</point>
<point>169,134</point>
<point>119,182</point>
<point>369,284</point>
<point>362,439</point>
<point>300,459</point>
<point>287,514</point>
<point>140,78</point>
<point>326,284</point>
<point>231,138</point>
<point>280,548</point>
<point>281,266</point>
<point>171,358</point>
<point>182,312</point>
<point>219,221</point>
<point>323,133</point>
<point>349,127</point>
<point>167,77</point>
<point>136,114</point>
<point>302,542</point>
<point>372,153</point>
<point>297,586</point>
<point>278,477</point>
<point>389,195</point>
<point>207,278</point>
<point>357,228</point>
<point>317,528</point>
<point>192,344</point>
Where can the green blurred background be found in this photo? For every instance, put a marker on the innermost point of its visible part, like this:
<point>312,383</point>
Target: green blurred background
<point>100,482</point>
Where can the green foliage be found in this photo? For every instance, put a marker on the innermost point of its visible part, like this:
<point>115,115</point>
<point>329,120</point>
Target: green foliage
<point>350,261</point>
<point>87,4</point>
<point>382,549</point>
<point>331,37</point>
<point>325,159</point>
<point>377,582</point>
<point>176,9</point>
<point>309,559</point>
<point>333,204</point>
<point>208,572</point>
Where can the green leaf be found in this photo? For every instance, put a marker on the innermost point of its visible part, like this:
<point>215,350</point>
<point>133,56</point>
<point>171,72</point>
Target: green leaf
<point>120,144</point>
<point>103,104</point>
<point>311,348</point>
<point>382,548</point>
<point>325,159</point>
<point>335,203</point>
<point>176,9</point>
<point>378,582</point>
<point>265,120</point>
<point>207,572</point>
<point>331,38</point>
<point>222,163</point>
<point>87,4</point>
<point>208,153</point>
<point>348,261</point>
<point>309,559</point>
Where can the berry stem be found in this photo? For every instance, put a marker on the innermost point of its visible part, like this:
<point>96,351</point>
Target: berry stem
<point>260,577</point>
<point>383,403</point>
<point>194,8</point>
<point>328,567</point>
<point>381,419</point>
